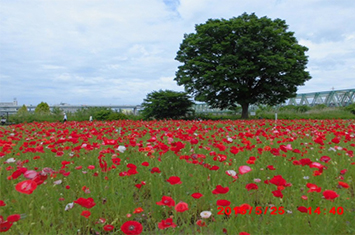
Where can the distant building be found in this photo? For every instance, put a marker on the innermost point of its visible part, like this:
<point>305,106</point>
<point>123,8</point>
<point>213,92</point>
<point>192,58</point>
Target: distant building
<point>13,103</point>
<point>8,107</point>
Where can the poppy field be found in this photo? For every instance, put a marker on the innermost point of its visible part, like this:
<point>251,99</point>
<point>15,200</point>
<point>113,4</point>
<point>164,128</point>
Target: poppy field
<point>178,177</point>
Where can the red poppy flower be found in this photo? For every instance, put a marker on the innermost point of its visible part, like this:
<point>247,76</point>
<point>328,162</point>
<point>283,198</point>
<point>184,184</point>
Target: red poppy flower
<point>343,184</point>
<point>86,214</point>
<point>5,226</point>
<point>278,180</point>
<point>181,207</point>
<point>271,167</point>
<point>325,159</point>
<point>116,161</point>
<point>313,188</point>
<point>244,233</point>
<point>330,195</point>
<point>132,228</point>
<point>166,224</point>
<point>342,172</point>
<point>251,186</point>
<point>2,203</point>
<point>108,227</point>
<point>174,180</point>
<point>223,202</point>
<point>166,201</point>
<point>220,190</point>
<point>155,170</point>
<point>302,209</point>
<point>196,195</point>
<point>145,163</point>
<point>277,193</point>
<point>201,223</point>
<point>13,218</point>
<point>87,203</point>
<point>26,187</point>
<point>138,210</point>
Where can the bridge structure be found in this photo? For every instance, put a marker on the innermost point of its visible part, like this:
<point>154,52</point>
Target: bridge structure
<point>333,98</point>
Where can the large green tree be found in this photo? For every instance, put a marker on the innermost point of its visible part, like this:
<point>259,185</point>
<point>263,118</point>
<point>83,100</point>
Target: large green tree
<point>244,60</point>
<point>166,104</point>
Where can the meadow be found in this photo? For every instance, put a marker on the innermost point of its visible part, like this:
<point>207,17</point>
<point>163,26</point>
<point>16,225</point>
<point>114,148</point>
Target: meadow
<point>178,177</point>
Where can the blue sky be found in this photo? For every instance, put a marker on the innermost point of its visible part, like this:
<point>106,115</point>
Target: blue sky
<point>98,52</point>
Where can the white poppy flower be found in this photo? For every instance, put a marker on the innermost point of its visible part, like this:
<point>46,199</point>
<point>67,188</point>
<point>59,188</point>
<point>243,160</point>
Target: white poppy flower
<point>206,214</point>
<point>57,182</point>
<point>121,149</point>
<point>231,173</point>
<point>69,206</point>
<point>10,160</point>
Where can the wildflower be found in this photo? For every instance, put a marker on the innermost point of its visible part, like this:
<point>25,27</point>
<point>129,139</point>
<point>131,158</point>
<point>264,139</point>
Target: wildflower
<point>174,180</point>
<point>220,190</point>
<point>231,173</point>
<point>244,169</point>
<point>330,195</point>
<point>251,186</point>
<point>166,201</point>
<point>138,210</point>
<point>26,187</point>
<point>121,149</point>
<point>69,206</point>
<point>166,224</point>
<point>302,209</point>
<point>108,227</point>
<point>87,203</point>
<point>196,195</point>
<point>205,214</point>
<point>86,214</point>
<point>223,202</point>
<point>201,223</point>
<point>181,207</point>
<point>132,227</point>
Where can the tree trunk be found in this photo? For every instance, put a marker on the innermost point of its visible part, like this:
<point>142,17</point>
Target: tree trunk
<point>245,109</point>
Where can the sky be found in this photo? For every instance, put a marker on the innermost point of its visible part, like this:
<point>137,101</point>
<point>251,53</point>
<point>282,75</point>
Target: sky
<point>115,52</point>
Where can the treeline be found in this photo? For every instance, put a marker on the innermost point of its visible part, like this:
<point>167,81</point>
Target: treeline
<point>43,113</point>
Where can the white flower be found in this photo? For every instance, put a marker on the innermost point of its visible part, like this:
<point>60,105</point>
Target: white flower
<point>231,173</point>
<point>206,214</point>
<point>230,139</point>
<point>57,182</point>
<point>306,177</point>
<point>121,149</point>
<point>257,180</point>
<point>69,206</point>
<point>10,160</point>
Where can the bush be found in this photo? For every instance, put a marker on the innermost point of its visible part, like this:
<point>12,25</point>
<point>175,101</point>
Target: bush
<point>166,104</point>
<point>350,108</point>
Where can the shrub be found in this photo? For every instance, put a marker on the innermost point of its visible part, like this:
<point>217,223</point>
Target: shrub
<point>350,108</point>
<point>166,104</point>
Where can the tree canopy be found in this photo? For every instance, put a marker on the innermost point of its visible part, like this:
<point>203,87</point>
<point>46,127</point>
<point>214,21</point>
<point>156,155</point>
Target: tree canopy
<point>42,108</point>
<point>23,110</point>
<point>166,104</point>
<point>244,60</point>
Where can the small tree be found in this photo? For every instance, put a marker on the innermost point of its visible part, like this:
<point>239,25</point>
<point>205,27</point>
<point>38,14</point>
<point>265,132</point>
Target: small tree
<point>42,108</point>
<point>22,111</point>
<point>166,104</point>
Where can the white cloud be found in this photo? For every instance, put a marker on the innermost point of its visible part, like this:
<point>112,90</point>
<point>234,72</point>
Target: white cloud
<point>116,52</point>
